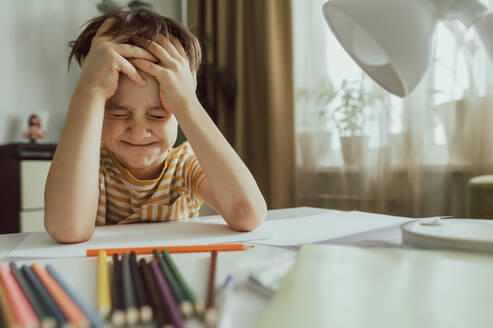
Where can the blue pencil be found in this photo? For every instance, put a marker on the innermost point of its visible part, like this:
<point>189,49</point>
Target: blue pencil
<point>44,296</point>
<point>90,313</point>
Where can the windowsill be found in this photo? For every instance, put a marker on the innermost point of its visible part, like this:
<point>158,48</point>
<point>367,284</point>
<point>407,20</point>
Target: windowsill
<point>452,167</point>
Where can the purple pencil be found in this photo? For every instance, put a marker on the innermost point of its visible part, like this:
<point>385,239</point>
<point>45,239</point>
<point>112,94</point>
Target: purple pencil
<point>172,309</point>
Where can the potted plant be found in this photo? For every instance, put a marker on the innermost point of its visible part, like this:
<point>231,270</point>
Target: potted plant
<point>351,113</point>
<point>107,6</point>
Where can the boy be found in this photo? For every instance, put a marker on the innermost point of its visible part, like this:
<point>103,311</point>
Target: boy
<point>137,82</point>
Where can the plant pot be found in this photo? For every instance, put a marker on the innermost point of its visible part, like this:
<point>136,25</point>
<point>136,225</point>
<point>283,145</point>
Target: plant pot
<point>314,146</point>
<point>353,148</point>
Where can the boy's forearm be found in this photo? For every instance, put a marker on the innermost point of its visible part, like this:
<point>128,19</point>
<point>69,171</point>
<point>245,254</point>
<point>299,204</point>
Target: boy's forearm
<point>71,192</point>
<point>239,199</point>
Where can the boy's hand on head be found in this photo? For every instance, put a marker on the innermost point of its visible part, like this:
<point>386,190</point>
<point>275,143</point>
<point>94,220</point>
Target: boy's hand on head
<point>176,81</point>
<point>107,58</point>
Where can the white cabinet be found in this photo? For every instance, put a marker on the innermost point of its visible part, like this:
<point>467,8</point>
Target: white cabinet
<point>33,174</point>
<point>32,221</point>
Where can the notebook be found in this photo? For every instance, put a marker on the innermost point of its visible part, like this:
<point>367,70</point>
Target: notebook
<point>349,287</point>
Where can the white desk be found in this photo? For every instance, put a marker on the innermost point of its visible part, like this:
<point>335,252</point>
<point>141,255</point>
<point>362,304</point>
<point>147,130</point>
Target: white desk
<point>80,273</point>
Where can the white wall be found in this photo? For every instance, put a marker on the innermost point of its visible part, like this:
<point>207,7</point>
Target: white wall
<point>34,38</point>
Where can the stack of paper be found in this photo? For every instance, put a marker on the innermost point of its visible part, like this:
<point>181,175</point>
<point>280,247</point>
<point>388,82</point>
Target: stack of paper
<point>349,287</point>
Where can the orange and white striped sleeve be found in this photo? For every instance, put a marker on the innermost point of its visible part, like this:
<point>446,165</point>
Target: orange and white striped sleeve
<point>101,212</point>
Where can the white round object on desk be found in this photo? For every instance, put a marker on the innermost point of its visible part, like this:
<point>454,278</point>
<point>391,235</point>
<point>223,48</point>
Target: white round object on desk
<point>449,234</point>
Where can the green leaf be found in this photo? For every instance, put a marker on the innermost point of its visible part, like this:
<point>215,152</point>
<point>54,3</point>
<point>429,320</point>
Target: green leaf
<point>139,4</point>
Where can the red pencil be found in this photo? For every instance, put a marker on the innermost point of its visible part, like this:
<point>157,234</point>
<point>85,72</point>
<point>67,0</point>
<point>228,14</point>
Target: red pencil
<point>23,312</point>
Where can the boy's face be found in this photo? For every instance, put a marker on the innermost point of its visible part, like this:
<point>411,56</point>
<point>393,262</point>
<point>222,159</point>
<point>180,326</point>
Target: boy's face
<point>137,129</point>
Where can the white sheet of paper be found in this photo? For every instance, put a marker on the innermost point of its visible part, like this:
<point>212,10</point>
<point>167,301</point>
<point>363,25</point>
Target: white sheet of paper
<point>41,245</point>
<point>323,227</point>
<point>280,232</point>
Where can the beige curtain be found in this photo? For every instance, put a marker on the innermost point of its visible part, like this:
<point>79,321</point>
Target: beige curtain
<point>250,42</point>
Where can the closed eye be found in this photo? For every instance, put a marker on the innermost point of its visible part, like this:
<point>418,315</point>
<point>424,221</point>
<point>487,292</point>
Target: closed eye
<point>118,116</point>
<point>157,117</point>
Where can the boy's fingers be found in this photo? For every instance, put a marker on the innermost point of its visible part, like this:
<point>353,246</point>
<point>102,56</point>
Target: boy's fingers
<point>123,38</point>
<point>105,26</point>
<point>130,51</point>
<point>148,67</point>
<point>168,46</point>
<point>158,51</point>
<point>128,69</point>
<point>179,47</point>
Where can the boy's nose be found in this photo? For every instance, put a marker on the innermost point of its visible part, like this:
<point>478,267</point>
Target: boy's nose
<point>139,131</point>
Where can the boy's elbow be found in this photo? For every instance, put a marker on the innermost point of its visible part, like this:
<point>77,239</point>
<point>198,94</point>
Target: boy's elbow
<point>247,216</point>
<point>67,233</point>
<point>69,236</point>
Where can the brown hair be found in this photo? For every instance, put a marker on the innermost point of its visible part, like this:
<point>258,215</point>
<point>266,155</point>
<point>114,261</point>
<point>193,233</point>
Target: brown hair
<point>138,23</point>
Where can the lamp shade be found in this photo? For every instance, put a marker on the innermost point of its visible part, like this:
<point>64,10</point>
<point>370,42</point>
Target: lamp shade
<point>391,40</point>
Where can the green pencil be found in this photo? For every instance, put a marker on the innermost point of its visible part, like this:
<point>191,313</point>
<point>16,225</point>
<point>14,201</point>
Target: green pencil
<point>198,305</point>
<point>185,304</point>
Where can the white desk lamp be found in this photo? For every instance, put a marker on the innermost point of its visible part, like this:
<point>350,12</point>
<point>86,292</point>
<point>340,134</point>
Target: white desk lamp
<point>392,40</point>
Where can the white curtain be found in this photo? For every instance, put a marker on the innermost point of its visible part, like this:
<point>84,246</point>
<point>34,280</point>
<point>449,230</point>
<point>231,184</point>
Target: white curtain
<point>360,148</point>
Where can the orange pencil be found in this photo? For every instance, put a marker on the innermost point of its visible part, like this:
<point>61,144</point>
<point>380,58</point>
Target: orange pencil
<point>73,313</point>
<point>172,249</point>
<point>22,310</point>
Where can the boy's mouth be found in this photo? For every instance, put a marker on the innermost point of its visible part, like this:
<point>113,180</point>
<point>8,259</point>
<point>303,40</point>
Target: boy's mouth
<point>138,145</point>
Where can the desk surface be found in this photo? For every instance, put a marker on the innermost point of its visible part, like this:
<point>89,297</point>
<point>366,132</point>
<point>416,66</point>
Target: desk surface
<point>81,273</point>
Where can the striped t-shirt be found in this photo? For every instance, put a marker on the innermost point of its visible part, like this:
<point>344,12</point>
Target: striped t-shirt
<point>172,196</point>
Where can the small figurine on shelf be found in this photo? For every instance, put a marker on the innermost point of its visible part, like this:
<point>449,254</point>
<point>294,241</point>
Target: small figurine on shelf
<point>35,131</point>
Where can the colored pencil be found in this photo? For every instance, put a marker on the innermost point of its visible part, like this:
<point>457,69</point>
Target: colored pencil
<point>3,319</point>
<point>173,249</point>
<point>7,313</point>
<point>45,317</point>
<point>104,295</point>
<point>145,310</point>
<point>23,312</point>
<point>44,296</point>
<point>88,311</point>
<point>118,315</point>
<point>226,316</point>
<point>180,296</point>
<point>210,315</point>
<point>71,310</point>
<point>167,296</point>
<point>198,305</point>
<point>130,303</point>
<point>152,291</point>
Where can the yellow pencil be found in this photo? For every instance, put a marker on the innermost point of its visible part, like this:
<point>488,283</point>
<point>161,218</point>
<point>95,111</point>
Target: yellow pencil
<point>104,296</point>
<point>6,309</point>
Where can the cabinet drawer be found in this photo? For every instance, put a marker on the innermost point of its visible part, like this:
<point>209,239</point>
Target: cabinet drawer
<point>31,221</point>
<point>33,176</point>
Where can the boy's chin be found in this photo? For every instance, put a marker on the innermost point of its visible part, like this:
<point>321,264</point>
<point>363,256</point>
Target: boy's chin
<point>140,164</point>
